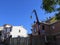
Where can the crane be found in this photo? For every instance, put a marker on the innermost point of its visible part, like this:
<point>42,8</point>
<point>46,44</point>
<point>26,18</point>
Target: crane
<point>34,11</point>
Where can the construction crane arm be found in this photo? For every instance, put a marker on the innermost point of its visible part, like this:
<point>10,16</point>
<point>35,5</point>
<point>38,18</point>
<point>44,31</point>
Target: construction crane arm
<point>36,15</point>
<point>37,21</point>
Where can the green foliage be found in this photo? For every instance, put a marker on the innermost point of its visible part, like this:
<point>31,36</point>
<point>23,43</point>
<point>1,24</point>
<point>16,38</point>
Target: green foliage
<point>49,5</point>
<point>58,1</point>
<point>58,16</point>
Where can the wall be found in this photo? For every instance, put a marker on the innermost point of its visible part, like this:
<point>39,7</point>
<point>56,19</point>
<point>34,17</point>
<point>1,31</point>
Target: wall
<point>19,41</point>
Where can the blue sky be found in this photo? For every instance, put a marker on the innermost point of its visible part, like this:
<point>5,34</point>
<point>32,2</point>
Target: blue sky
<point>18,12</point>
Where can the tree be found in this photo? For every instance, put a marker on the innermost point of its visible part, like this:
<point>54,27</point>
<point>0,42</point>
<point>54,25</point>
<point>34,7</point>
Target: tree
<point>50,5</point>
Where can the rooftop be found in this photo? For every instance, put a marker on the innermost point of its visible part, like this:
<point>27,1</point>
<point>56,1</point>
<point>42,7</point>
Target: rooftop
<point>54,19</point>
<point>51,20</point>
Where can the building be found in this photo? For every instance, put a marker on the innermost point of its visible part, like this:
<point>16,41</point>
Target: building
<point>37,39</point>
<point>1,28</point>
<point>5,33</point>
<point>13,35</point>
<point>49,31</point>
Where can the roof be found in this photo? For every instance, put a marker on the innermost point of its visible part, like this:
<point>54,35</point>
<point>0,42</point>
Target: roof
<point>7,25</point>
<point>54,19</point>
<point>52,22</point>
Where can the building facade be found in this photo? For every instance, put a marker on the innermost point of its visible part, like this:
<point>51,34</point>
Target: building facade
<point>50,32</point>
<point>14,35</point>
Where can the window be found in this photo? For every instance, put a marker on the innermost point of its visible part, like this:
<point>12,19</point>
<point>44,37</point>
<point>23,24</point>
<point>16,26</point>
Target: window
<point>43,27</point>
<point>0,33</point>
<point>53,27</point>
<point>19,30</point>
<point>8,29</point>
<point>35,30</point>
